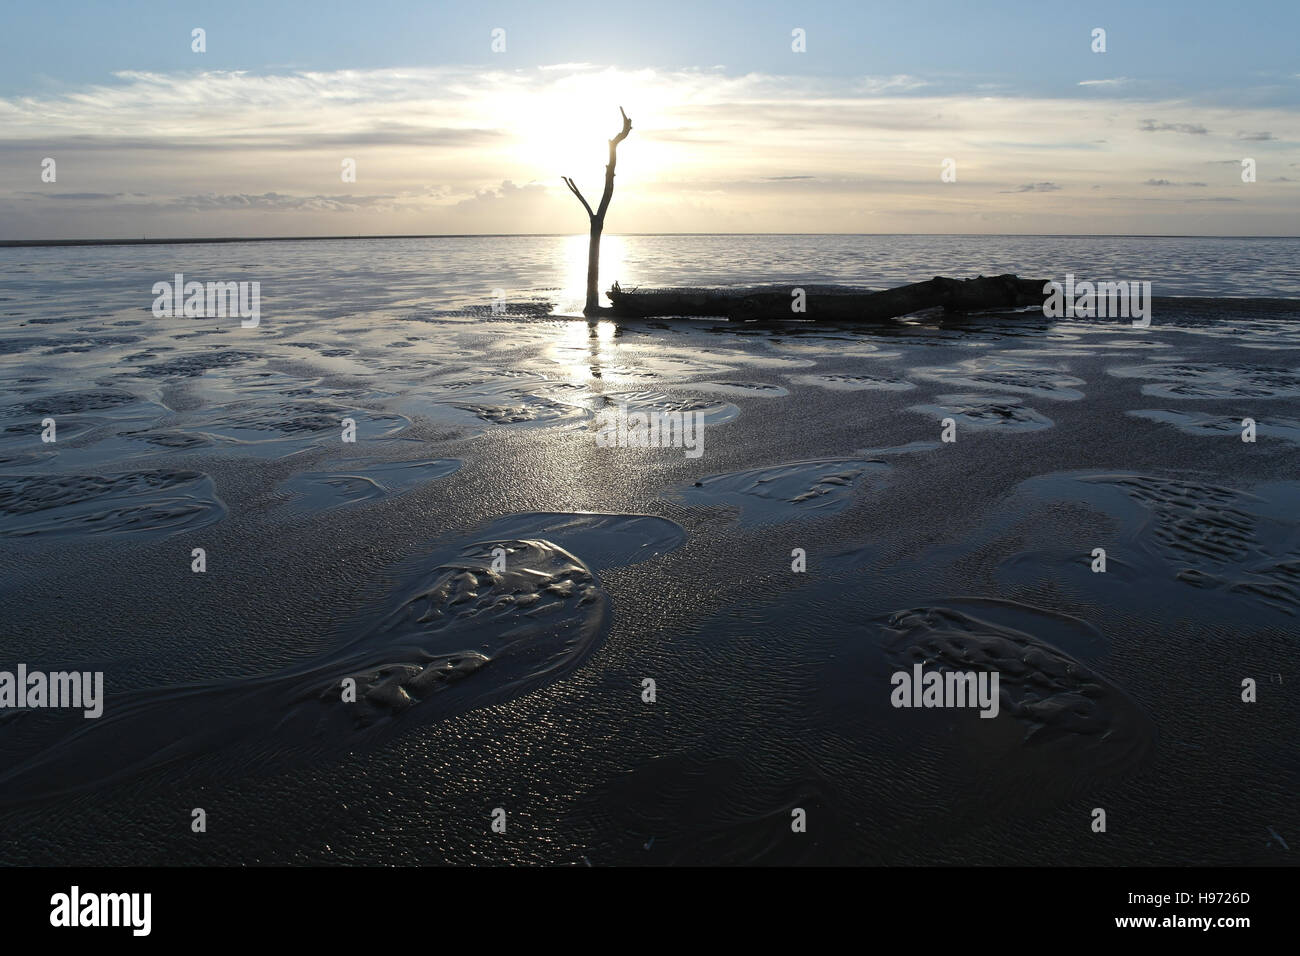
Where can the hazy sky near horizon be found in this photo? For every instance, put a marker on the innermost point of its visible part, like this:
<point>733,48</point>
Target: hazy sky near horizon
<point>733,131</point>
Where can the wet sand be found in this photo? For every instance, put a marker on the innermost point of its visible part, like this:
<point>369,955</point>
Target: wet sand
<point>521,686</point>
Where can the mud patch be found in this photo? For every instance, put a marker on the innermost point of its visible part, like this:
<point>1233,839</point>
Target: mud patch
<point>1222,426</point>
<point>1177,533</point>
<point>854,383</point>
<point>757,389</point>
<point>348,483</point>
<point>461,628</point>
<point>783,492</point>
<point>1204,380</point>
<point>1067,719</point>
<point>1007,374</point>
<point>986,412</point>
<point>146,504</point>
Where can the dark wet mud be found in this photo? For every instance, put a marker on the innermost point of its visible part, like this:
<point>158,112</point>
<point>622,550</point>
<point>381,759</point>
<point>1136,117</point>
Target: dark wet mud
<point>429,592</point>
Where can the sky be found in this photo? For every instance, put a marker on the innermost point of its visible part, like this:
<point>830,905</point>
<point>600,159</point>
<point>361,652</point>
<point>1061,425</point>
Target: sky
<point>911,117</point>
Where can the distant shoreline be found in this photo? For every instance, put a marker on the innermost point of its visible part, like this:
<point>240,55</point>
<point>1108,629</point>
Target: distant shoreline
<point>21,243</point>
<point>37,243</point>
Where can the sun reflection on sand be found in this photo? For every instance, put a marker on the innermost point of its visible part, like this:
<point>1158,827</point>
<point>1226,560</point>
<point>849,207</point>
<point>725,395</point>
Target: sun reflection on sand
<point>583,349</point>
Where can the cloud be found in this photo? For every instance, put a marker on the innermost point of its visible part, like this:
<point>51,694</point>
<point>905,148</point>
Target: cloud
<point>225,110</point>
<point>1117,81</point>
<point>899,83</point>
<point>1256,137</point>
<point>1166,182</point>
<point>506,192</point>
<point>1179,200</point>
<point>507,195</point>
<point>78,196</point>
<point>1151,126</point>
<point>239,152</point>
<point>272,200</point>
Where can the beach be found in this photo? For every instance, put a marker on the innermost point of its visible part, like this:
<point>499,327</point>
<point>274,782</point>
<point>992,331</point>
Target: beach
<point>499,585</point>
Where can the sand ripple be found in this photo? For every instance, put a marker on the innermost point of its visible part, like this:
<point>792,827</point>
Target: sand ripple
<point>781,492</point>
<point>983,411</point>
<point>147,504</point>
<point>1050,694</point>
<point>1205,380</point>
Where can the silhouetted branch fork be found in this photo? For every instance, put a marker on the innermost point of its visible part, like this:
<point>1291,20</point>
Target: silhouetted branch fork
<point>577,192</point>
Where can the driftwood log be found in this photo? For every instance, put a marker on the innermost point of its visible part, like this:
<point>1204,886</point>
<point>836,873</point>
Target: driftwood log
<point>834,304</point>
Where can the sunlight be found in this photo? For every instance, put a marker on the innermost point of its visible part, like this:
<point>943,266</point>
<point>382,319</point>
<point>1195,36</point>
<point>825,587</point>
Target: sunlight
<point>572,295</point>
<point>564,128</point>
<point>570,137</point>
<point>582,349</point>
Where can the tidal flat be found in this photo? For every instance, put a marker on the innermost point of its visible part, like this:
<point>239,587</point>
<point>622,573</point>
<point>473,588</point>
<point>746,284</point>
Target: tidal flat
<point>500,588</point>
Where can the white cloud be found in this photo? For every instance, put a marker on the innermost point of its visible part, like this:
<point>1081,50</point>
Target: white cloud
<point>442,149</point>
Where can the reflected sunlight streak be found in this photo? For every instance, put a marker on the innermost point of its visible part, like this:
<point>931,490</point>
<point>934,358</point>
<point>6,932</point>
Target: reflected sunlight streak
<point>583,349</point>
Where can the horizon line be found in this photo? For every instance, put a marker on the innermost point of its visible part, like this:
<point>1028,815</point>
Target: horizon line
<point>199,240</point>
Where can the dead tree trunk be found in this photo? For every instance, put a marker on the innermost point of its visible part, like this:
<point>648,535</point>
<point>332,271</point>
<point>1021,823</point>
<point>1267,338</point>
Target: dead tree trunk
<point>598,219</point>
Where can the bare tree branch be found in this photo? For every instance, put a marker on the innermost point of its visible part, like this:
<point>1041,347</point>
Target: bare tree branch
<point>627,128</point>
<point>609,169</point>
<point>574,189</point>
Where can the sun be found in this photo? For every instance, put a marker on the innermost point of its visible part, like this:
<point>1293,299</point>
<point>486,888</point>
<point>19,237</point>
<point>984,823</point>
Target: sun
<point>567,135</point>
<point>563,125</point>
